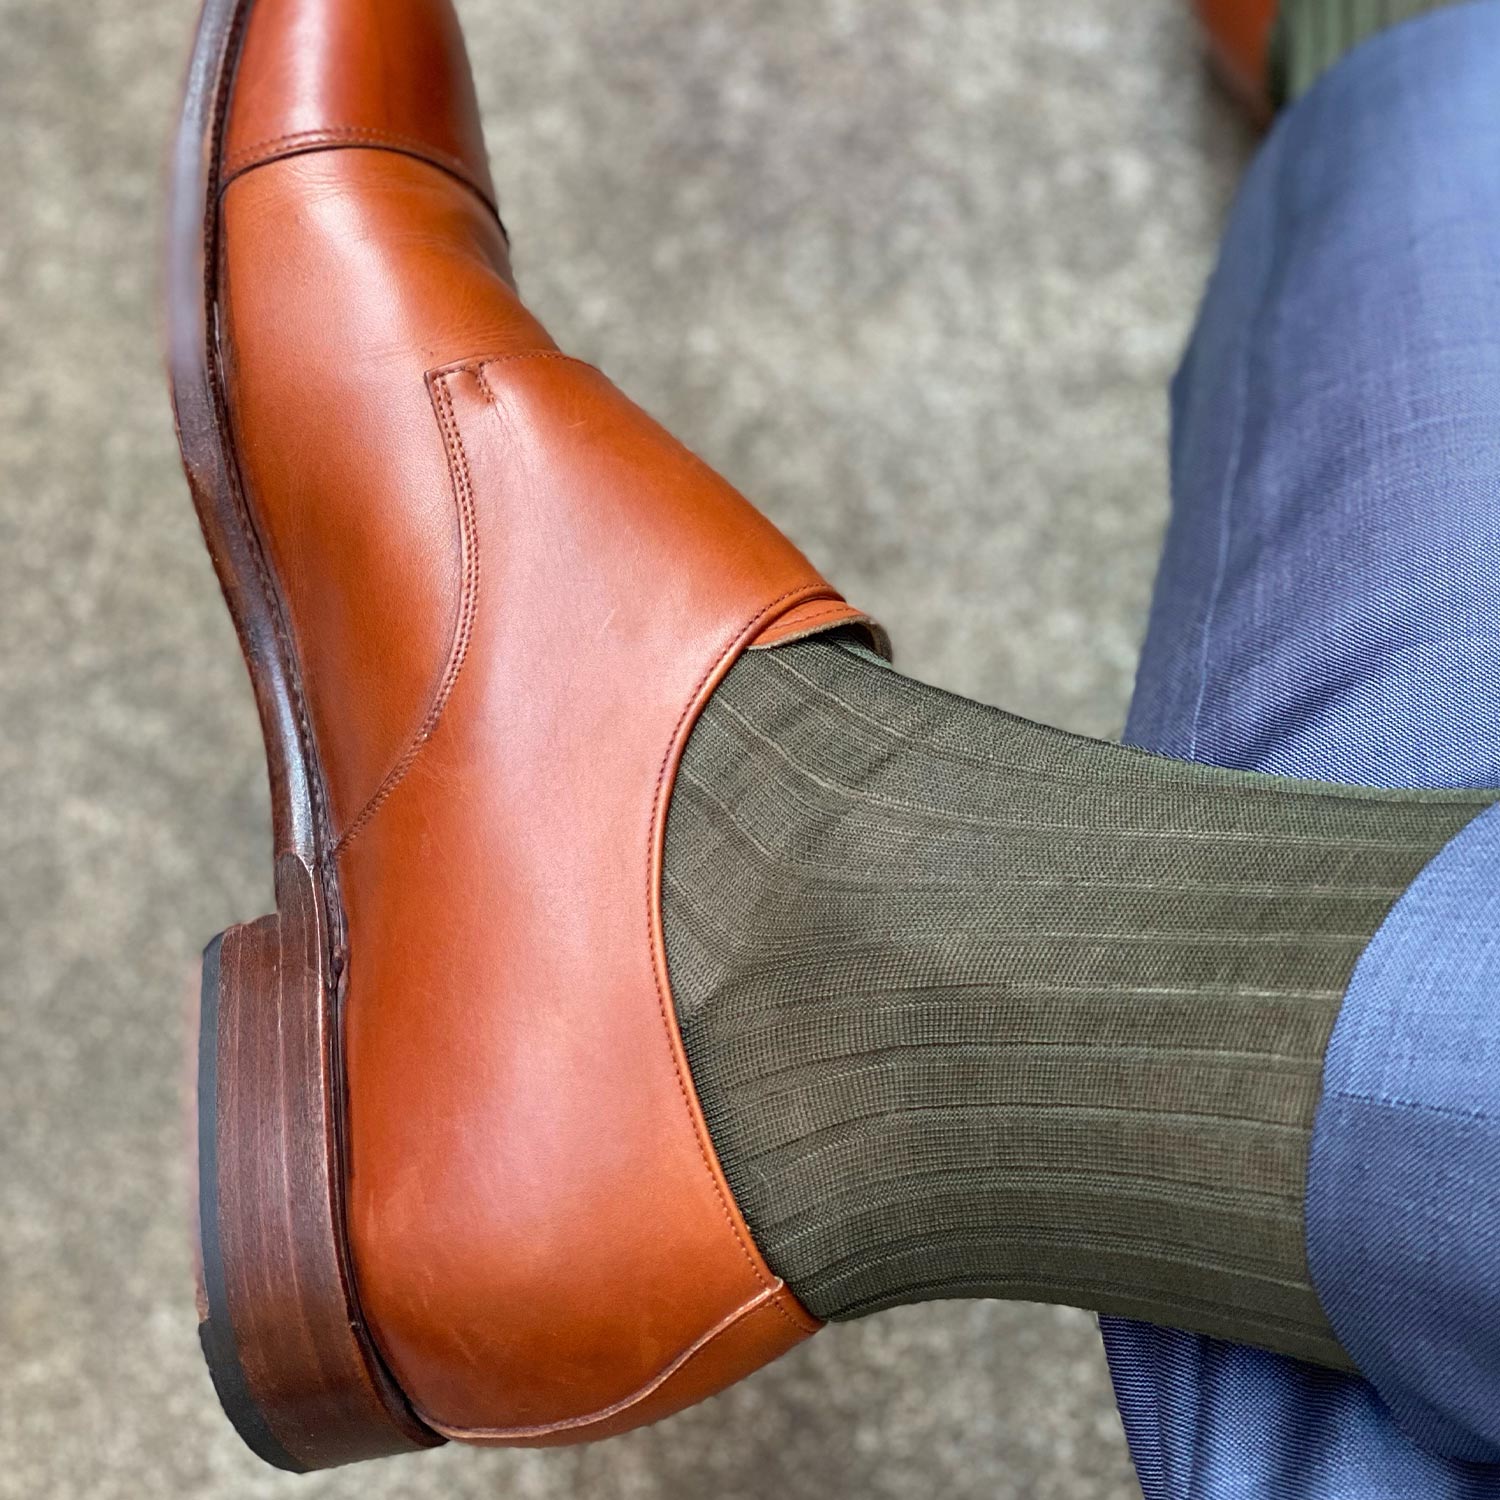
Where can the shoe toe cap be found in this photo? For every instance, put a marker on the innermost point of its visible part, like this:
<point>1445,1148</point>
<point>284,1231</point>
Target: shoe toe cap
<point>315,74</point>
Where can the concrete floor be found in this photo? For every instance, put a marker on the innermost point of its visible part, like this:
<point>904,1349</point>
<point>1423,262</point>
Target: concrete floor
<point>915,277</point>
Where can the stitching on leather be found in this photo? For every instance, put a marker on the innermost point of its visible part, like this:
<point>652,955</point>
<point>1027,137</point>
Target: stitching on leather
<point>505,359</point>
<point>334,137</point>
<point>833,609</point>
<point>477,367</point>
<point>458,465</point>
<point>767,1298</point>
<point>661,999</point>
<point>331,134</point>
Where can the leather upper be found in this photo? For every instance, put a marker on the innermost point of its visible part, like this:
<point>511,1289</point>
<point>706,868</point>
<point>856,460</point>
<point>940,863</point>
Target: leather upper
<point>509,593</point>
<point>382,73</point>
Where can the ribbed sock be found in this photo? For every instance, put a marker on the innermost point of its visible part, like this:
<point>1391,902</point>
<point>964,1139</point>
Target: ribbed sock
<point>1311,35</point>
<point>977,1008</point>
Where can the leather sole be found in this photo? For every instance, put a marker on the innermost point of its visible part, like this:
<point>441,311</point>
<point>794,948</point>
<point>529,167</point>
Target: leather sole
<point>290,1356</point>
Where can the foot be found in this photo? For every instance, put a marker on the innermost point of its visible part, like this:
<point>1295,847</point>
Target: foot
<point>454,1176</point>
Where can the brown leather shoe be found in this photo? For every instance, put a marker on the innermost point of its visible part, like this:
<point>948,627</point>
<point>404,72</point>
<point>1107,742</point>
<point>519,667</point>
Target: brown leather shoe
<point>454,1178</point>
<point>1238,33</point>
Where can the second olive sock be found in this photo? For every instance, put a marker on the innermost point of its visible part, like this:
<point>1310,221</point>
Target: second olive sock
<point>979,1008</point>
<point>1311,35</point>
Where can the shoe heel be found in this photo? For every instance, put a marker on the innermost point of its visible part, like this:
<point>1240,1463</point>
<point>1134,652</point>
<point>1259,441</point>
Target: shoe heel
<point>293,1365</point>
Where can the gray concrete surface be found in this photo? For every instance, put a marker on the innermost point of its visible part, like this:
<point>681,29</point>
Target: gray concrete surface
<point>914,276</point>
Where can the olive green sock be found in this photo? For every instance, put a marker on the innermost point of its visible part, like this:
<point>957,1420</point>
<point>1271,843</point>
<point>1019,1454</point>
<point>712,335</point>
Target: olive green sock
<point>1311,35</point>
<point>977,1008</point>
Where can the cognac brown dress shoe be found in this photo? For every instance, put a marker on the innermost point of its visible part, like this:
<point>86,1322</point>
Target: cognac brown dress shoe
<point>1238,35</point>
<point>454,1179</point>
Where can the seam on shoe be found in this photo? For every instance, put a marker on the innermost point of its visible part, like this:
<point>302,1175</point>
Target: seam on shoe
<point>468,605</point>
<point>458,465</point>
<point>478,367</point>
<point>812,624</point>
<point>768,1297</point>
<point>333,136</point>
<point>744,633</point>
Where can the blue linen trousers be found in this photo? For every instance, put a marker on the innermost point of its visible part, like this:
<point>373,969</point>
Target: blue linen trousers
<point>1328,605</point>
